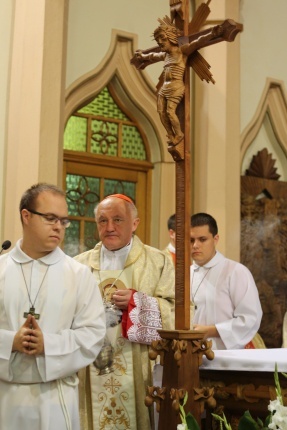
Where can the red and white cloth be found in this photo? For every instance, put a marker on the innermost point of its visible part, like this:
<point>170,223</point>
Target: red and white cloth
<point>142,319</point>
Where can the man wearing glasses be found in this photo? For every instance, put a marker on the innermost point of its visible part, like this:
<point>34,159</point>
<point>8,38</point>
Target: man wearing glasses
<point>52,320</point>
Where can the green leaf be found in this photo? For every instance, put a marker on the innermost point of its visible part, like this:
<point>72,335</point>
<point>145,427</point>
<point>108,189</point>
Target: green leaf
<point>277,385</point>
<point>191,422</point>
<point>218,417</point>
<point>185,398</point>
<point>268,420</point>
<point>246,422</point>
<point>182,417</point>
<point>222,421</point>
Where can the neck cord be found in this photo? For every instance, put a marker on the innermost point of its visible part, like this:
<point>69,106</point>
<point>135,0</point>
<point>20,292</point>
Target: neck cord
<point>105,294</point>
<point>193,295</point>
<point>31,303</point>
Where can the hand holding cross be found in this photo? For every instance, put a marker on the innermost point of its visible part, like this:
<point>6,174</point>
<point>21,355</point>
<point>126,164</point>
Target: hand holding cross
<point>29,338</point>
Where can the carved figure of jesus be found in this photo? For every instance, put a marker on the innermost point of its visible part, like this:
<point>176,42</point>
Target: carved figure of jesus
<point>175,58</point>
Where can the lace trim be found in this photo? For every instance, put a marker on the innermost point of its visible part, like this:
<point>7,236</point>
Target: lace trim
<point>146,319</point>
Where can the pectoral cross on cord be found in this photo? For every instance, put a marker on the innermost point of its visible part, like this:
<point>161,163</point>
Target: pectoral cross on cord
<point>31,312</point>
<point>195,306</point>
<point>32,305</point>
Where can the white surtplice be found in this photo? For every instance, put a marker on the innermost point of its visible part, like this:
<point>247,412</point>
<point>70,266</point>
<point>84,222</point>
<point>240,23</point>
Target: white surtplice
<point>41,392</point>
<point>226,296</point>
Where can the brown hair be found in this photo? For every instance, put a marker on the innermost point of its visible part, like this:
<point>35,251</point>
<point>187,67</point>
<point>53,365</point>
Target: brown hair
<point>28,199</point>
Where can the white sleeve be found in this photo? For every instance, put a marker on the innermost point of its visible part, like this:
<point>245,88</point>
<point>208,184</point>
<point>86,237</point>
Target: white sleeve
<point>237,331</point>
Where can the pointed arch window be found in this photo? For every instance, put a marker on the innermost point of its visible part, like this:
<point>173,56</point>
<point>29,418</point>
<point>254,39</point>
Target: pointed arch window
<point>102,128</point>
<point>105,152</point>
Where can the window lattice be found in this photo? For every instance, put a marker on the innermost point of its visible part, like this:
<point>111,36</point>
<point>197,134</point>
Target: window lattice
<point>83,194</point>
<point>102,128</point>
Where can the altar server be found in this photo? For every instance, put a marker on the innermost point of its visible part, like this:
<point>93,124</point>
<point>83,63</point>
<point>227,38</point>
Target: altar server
<point>137,284</point>
<point>52,320</point>
<point>224,294</point>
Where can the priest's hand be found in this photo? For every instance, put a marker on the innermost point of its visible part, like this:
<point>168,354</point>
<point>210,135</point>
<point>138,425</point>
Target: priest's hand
<point>121,298</point>
<point>29,339</point>
<point>210,330</point>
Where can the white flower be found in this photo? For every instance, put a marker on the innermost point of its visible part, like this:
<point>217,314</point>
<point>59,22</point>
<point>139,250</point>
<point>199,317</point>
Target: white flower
<point>279,419</point>
<point>274,405</point>
<point>181,427</point>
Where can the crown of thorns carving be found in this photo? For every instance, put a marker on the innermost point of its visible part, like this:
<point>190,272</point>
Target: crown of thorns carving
<point>166,26</point>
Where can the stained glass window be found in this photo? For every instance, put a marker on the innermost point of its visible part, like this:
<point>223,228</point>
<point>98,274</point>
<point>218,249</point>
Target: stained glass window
<point>102,128</point>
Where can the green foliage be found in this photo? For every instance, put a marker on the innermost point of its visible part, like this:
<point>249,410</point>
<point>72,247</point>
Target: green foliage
<point>248,423</point>
<point>277,385</point>
<point>191,422</point>
<point>222,421</point>
<point>187,419</point>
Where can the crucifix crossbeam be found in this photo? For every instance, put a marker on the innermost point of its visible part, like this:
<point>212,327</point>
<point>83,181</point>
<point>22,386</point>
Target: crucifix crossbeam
<point>229,27</point>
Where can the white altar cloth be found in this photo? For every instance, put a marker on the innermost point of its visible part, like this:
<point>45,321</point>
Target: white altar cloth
<point>248,360</point>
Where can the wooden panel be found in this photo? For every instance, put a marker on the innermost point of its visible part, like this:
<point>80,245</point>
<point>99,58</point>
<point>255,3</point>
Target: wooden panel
<point>264,251</point>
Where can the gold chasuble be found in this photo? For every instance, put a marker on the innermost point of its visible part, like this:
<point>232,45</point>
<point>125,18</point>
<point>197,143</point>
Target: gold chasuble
<point>115,400</point>
<point>113,396</point>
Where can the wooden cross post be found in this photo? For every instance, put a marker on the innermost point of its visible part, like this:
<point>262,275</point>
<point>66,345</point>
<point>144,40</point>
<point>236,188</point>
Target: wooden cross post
<point>178,42</point>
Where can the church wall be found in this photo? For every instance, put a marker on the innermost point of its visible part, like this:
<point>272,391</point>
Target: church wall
<point>263,51</point>
<point>216,143</point>
<point>262,58</point>
<point>35,96</point>
<point>6,15</point>
<point>90,24</point>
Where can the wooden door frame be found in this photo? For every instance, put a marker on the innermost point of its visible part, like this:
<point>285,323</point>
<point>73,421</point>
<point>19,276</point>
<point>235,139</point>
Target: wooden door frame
<point>126,170</point>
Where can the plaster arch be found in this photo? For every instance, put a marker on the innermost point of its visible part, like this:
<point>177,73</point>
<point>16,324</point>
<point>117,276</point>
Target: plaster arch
<point>271,113</point>
<point>133,87</point>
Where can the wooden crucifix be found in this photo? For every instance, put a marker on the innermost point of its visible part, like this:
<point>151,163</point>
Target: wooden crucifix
<point>178,42</point>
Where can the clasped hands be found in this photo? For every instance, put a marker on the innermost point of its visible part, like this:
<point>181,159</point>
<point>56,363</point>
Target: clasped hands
<point>29,338</point>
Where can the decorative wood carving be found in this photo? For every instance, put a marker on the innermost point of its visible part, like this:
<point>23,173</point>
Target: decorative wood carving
<point>201,347</point>
<point>182,352</point>
<point>206,396</point>
<point>158,347</point>
<point>264,243</point>
<point>177,396</point>
<point>262,166</point>
<point>238,391</point>
<point>155,395</point>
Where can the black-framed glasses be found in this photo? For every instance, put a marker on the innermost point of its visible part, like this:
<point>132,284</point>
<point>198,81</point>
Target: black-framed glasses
<point>52,219</point>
